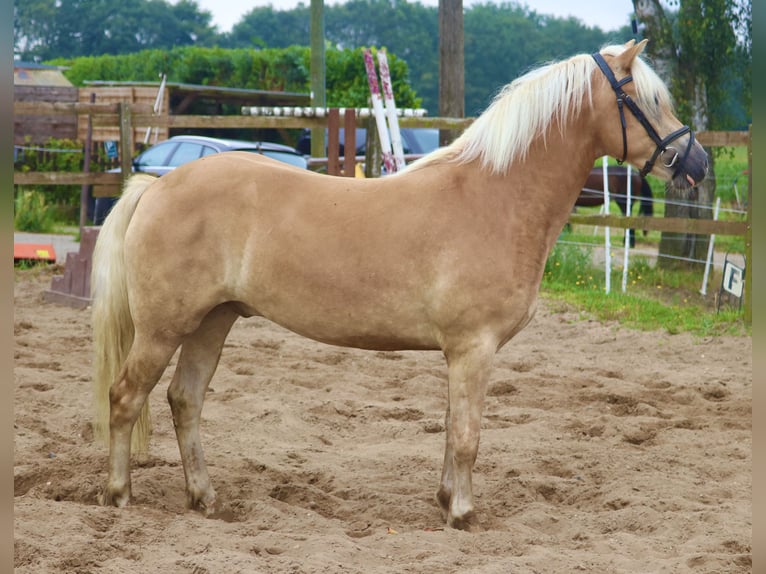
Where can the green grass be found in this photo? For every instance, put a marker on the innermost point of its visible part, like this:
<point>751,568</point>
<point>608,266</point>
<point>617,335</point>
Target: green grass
<point>654,299</point>
<point>730,164</point>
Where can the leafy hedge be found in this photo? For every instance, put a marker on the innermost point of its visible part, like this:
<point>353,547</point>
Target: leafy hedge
<point>285,69</point>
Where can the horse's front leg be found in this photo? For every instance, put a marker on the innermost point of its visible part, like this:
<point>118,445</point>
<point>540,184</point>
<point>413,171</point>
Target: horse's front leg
<point>469,370</point>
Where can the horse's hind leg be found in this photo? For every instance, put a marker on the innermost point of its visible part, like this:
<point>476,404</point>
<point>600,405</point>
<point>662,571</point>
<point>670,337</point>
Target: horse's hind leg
<point>143,367</point>
<point>198,360</point>
<point>468,375</point>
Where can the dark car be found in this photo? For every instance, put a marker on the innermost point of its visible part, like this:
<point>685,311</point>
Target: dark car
<point>178,150</point>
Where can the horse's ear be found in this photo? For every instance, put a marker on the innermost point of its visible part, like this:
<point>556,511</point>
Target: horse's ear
<point>632,50</point>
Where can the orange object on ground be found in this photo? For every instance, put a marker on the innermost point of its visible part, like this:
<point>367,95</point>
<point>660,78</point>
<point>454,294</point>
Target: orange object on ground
<point>36,251</point>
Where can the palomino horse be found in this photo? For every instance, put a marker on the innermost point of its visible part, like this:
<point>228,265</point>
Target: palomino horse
<point>446,255</point>
<point>617,178</point>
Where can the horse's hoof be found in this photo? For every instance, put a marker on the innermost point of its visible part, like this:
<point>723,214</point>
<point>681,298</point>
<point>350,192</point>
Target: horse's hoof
<point>204,503</point>
<point>110,497</point>
<point>468,522</point>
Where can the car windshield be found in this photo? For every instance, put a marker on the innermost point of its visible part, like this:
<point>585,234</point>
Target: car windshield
<point>186,152</point>
<point>156,155</point>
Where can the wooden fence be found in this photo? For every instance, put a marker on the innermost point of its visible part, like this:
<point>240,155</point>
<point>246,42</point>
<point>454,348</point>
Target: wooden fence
<point>125,116</point>
<point>40,126</point>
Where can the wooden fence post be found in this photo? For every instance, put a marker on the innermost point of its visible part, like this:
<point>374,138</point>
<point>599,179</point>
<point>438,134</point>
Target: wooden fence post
<point>349,143</point>
<point>85,189</point>
<point>126,141</point>
<point>373,160</point>
<point>333,141</point>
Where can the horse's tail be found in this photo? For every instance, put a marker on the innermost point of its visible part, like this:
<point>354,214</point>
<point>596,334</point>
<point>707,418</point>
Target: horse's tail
<point>647,199</point>
<point>112,322</point>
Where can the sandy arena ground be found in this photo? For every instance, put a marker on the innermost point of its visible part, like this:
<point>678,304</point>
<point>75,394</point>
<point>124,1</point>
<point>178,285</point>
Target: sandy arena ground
<point>603,450</point>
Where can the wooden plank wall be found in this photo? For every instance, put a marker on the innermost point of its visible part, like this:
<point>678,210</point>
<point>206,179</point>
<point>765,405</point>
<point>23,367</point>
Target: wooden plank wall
<point>145,96</point>
<point>37,129</point>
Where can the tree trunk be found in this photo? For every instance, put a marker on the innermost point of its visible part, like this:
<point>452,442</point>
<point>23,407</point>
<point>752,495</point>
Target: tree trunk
<point>679,249</point>
<point>658,29</point>
<point>451,65</point>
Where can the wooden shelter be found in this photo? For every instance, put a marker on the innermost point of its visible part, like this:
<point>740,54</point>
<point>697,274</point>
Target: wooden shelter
<point>40,83</point>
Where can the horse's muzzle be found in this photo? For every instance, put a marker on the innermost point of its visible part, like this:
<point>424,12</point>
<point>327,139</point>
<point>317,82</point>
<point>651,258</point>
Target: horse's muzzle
<point>691,165</point>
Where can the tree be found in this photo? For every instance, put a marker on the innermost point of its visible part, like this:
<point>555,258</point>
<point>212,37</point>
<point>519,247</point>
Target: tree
<point>503,41</point>
<point>34,27</point>
<point>46,29</point>
<point>694,50</point>
<point>265,27</point>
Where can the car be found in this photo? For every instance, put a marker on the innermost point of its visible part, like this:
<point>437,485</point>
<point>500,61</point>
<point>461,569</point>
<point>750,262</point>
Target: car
<point>165,156</point>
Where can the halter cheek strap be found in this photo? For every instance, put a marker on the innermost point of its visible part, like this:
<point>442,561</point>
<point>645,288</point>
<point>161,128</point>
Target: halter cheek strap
<point>624,100</point>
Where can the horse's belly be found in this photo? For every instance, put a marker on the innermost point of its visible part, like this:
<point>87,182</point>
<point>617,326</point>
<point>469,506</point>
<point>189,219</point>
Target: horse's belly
<point>340,314</point>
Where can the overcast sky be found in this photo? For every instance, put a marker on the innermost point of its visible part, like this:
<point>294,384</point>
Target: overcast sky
<point>606,14</point>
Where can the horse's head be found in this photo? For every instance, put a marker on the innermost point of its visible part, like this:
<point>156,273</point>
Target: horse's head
<point>640,127</point>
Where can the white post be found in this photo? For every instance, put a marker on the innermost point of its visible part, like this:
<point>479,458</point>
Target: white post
<point>709,261</point>
<point>157,108</point>
<point>393,121</point>
<point>377,110</point>
<point>627,232</point>
<point>607,240</point>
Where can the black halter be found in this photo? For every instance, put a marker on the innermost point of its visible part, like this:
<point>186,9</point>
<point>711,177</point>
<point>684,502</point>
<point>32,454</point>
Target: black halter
<point>624,99</point>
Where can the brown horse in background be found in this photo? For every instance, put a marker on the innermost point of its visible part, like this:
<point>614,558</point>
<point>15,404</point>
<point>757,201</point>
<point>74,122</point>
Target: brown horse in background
<point>446,255</point>
<point>592,193</point>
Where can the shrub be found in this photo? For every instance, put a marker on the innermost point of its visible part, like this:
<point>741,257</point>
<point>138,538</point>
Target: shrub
<point>32,213</point>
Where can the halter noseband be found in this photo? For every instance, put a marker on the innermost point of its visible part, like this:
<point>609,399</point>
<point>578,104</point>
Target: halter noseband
<point>624,99</point>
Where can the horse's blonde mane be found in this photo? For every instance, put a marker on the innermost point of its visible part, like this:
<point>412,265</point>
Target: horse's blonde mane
<point>528,106</point>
